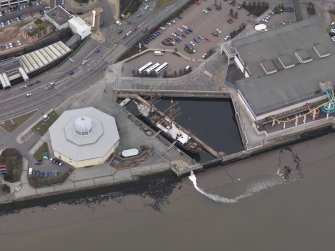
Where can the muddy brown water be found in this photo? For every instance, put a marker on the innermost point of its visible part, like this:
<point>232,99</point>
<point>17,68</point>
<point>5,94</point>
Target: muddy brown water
<point>297,214</point>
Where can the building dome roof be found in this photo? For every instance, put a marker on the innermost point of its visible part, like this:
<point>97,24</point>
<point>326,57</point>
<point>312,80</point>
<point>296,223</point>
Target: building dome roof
<point>83,125</point>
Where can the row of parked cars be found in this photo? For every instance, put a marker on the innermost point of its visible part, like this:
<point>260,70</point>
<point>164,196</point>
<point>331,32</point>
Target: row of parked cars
<point>234,33</point>
<point>11,21</point>
<point>43,174</point>
<point>11,45</point>
<point>268,17</point>
<point>179,35</point>
<point>332,31</point>
<point>159,31</point>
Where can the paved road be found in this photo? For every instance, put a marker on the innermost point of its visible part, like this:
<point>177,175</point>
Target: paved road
<point>14,102</point>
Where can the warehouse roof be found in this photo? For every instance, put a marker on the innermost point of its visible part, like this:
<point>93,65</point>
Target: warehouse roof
<point>306,39</point>
<point>290,86</point>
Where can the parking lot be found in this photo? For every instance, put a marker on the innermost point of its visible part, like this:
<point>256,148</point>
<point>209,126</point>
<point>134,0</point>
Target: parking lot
<point>203,20</point>
<point>49,168</point>
<point>12,19</point>
<point>176,63</point>
<point>273,20</point>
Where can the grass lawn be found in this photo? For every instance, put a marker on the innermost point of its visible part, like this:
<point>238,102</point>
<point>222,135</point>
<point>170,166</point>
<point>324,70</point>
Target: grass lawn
<point>38,181</point>
<point>4,189</point>
<point>162,3</point>
<point>81,1</point>
<point>39,153</point>
<point>42,127</point>
<point>12,124</point>
<point>13,161</point>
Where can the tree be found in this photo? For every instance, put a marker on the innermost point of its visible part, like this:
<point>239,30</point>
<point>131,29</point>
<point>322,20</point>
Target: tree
<point>231,12</point>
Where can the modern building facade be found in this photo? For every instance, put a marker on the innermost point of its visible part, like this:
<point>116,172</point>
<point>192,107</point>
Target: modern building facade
<point>84,137</point>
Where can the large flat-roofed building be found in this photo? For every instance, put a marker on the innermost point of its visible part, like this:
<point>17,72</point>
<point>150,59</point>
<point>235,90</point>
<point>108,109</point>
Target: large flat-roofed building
<point>84,137</point>
<point>283,69</point>
<point>59,17</point>
<point>62,19</point>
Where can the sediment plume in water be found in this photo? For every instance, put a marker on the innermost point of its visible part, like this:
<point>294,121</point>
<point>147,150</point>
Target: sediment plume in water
<point>254,188</point>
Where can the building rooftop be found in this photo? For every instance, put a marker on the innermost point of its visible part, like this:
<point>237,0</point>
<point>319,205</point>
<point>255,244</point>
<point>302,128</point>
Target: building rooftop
<point>9,64</point>
<point>59,15</point>
<point>306,39</point>
<point>35,27</point>
<point>290,86</point>
<point>84,134</point>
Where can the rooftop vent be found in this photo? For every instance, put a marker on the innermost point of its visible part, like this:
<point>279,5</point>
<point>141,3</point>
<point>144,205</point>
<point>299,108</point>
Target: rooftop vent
<point>268,66</point>
<point>287,61</point>
<point>303,56</point>
<point>321,50</point>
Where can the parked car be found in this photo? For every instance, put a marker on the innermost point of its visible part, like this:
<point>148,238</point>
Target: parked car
<point>215,34</point>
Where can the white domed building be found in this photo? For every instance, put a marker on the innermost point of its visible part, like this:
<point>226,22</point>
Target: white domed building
<point>84,137</point>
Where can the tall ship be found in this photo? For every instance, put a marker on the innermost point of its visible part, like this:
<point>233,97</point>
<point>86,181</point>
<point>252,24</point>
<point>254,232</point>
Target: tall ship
<point>166,125</point>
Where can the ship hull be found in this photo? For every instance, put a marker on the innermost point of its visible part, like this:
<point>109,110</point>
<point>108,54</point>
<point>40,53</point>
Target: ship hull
<point>167,135</point>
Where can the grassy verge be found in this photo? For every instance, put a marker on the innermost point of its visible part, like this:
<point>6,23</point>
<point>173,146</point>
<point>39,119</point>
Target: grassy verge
<point>12,159</point>
<point>38,181</point>
<point>162,3</point>
<point>81,1</point>
<point>4,189</point>
<point>12,124</point>
<point>39,153</point>
<point>256,8</point>
<point>42,127</point>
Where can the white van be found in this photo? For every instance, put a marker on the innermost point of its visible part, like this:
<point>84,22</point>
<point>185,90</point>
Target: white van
<point>158,53</point>
<point>30,171</point>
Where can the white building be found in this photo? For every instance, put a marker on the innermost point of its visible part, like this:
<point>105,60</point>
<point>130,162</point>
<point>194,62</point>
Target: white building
<point>80,27</point>
<point>84,137</point>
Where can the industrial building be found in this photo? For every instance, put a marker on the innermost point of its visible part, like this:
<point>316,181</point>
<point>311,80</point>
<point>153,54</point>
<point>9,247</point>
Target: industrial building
<point>84,137</point>
<point>59,17</point>
<point>62,19</point>
<point>283,69</point>
<point>23,66</point>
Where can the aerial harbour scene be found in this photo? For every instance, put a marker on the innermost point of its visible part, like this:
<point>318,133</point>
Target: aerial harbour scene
<point>167,124</point>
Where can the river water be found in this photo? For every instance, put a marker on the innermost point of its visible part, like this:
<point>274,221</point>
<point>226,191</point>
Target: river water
<point>245,206</point>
